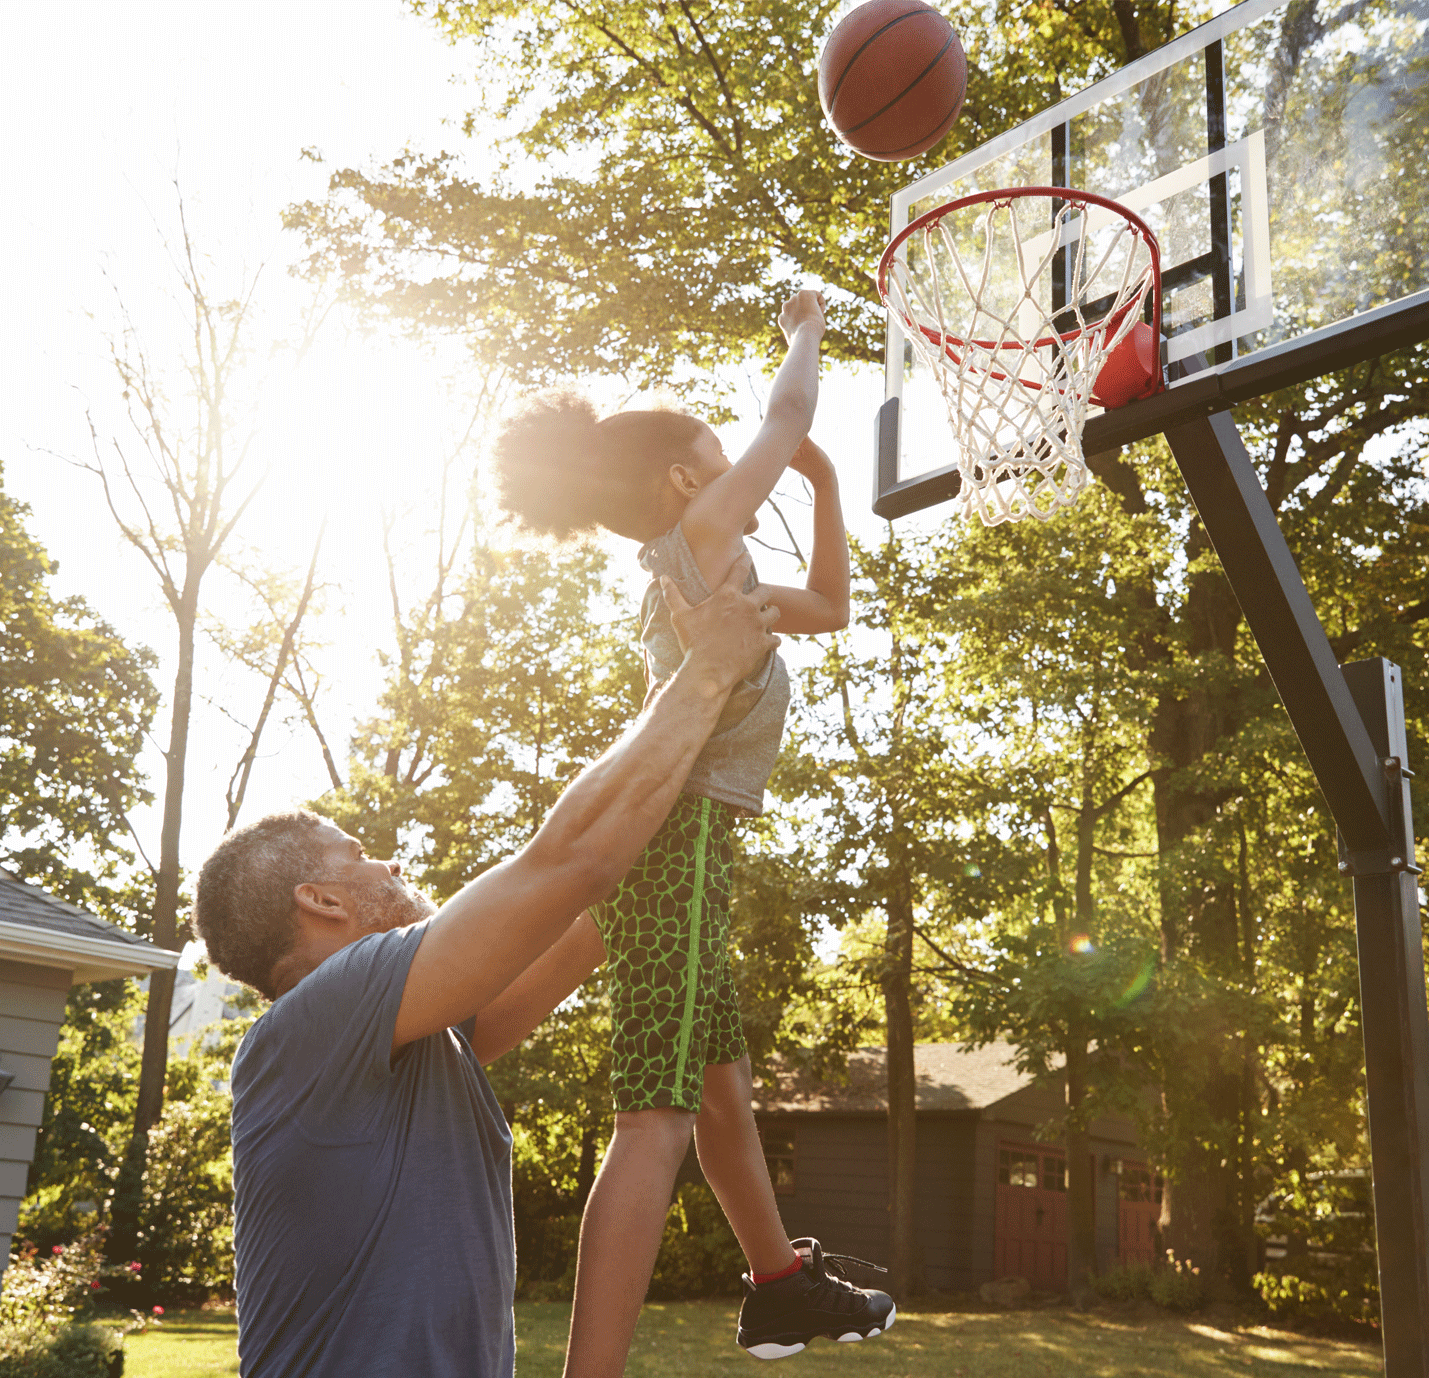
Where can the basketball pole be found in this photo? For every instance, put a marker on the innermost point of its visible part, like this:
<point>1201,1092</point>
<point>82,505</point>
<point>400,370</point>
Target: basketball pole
<point>1350,723</point>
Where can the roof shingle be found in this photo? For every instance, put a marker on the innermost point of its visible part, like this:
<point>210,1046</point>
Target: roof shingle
<point>27,904</point>
<point>950,1076</point>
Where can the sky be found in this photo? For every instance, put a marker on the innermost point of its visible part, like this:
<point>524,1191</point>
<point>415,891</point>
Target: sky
<point>114,112</point>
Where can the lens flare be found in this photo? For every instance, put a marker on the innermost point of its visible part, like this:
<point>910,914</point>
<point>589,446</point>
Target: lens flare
<point>1081,943</point>
<point>1138,984</point>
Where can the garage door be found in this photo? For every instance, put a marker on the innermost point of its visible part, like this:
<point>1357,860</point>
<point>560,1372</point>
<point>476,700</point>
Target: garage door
<point>1031,1238</point>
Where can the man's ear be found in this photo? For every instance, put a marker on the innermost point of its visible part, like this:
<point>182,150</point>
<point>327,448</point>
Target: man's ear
<point>685,481</point>
<point>320,901</point>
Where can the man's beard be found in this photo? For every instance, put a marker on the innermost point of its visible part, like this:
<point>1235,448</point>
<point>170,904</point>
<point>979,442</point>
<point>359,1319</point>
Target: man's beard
<point>384,905</point>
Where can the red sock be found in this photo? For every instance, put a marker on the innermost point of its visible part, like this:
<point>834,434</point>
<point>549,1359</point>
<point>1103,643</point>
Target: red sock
<point>774,1277</point>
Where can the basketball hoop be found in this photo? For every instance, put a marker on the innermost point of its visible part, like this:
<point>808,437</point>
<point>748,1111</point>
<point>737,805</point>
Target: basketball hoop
<point>1026,305</point>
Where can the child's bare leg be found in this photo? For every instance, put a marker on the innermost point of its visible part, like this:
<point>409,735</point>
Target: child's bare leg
<point>732,1159</point>
<point>620,1237</point>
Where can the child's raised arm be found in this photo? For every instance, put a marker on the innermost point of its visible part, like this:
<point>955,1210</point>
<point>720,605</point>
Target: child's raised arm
<point>822,604</point>
<point>717,515</point>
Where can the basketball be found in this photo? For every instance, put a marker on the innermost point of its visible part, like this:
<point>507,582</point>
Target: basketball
<point>892,78</point>
<point>1132,370</point>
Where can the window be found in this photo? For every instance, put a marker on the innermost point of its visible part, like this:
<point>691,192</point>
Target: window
<point>1139,1184</point>
<point>778,1141</point>
<point>1024,1167</point>
<point>1016,1169</point>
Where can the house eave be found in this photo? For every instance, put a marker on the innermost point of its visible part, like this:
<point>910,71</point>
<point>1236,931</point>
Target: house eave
<point>87,959</point>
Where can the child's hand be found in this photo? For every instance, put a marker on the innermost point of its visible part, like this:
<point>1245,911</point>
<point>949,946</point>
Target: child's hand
<point>811,461</point>
<point>802,309</point>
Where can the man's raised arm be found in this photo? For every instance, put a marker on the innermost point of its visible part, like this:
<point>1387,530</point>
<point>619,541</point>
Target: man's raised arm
<point>488,933</point>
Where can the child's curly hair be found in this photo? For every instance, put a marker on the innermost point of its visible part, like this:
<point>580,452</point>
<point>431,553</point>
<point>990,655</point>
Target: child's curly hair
<point>561,470</point>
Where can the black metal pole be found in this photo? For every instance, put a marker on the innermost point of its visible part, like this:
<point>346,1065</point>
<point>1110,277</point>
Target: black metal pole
<point>1396,1036</point>
<point>1351,725</point>
<point>1262,573</point>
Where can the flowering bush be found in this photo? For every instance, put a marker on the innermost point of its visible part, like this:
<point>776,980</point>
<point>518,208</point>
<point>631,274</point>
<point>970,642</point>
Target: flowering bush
<point>41,1291</point>
<point>1178,1285</point>
<point>43,1298</point>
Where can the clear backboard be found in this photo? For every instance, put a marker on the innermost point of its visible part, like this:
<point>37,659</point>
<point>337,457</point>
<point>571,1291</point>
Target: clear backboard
<point>1279,154</point>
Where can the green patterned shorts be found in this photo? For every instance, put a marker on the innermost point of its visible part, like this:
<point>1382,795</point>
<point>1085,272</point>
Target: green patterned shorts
<point>666,928</point>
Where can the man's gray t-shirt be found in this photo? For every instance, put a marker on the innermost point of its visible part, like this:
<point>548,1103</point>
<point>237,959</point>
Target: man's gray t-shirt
<point>372,1193</point>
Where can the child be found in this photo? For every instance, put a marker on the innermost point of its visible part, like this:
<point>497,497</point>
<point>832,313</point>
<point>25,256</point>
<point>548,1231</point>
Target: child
<point>678,1056</point>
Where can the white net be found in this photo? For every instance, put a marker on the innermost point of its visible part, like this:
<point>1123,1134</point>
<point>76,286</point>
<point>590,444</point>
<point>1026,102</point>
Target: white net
<point>1013,305</point>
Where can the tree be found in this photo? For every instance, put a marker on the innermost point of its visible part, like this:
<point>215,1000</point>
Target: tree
<point>75,702</point>
<point>502,692</point>
<point>875,772</point>
<point>1049,703</point>
<point>681,166</point>
<point>195,459</point>
<point>670,179</point>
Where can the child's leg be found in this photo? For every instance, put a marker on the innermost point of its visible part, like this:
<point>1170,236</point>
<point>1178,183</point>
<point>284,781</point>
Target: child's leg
<point>662,929</point>
<point>727,1140</point>
<point>620,1237</point>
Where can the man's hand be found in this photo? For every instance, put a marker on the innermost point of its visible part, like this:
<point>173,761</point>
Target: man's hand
<point>487,934</point>
<point>728,634</point>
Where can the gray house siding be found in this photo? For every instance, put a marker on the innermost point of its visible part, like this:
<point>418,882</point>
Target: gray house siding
<point>970,1102</point>
<point>984,1212</point>
<point>841,1184</point>
<point>841,1189</point>
<point>32,1008</point>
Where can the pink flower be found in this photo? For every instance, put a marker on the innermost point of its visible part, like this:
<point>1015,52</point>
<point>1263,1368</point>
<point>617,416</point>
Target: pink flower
<point>158,1310</point>
<point>58,1249</point>
<point>94,1287</point>
<point>133,1267</point>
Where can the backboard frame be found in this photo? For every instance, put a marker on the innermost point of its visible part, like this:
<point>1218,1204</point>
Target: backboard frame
<point>1196,387</point>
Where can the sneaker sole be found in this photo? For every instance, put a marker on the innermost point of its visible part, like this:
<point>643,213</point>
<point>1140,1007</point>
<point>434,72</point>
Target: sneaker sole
<point>770,1349</point>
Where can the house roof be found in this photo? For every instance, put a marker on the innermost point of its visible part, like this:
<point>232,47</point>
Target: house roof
<point>45,931</point>
<point>950,1076</point>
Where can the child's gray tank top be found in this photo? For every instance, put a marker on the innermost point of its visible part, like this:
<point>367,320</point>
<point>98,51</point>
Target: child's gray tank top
<point>738,758</point>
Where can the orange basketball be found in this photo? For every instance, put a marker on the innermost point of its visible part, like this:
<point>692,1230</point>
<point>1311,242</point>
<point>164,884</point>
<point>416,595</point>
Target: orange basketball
<point>892,78</point>
<point>1131,371</point>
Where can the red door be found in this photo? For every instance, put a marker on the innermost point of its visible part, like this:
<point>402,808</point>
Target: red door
<point>1031,1230</point>
<point>1138,1208</point>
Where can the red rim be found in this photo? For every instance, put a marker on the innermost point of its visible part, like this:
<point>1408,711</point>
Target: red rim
<point>1010,194</point>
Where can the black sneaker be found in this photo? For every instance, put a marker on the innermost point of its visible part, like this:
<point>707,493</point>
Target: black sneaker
<point>779,1318</point>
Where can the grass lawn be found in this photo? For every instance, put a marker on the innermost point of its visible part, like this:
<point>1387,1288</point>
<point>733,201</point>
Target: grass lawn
<point>696,1340</point>
<point>188,1342</point>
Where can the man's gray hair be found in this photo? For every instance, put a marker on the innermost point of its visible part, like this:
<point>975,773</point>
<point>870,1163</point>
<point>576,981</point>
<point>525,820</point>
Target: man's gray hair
<point>243,908</point>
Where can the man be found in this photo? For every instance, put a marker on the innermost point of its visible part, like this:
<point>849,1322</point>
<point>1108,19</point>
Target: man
<point>372,1165</point>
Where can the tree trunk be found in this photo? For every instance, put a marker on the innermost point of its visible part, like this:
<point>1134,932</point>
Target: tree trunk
<point>902,1102</point>
<point>1081,1211</point>
<point>163,931</point>
<point>1202,1092</point>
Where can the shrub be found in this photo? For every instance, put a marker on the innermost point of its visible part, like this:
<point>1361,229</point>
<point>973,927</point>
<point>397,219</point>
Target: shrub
<point>43,1298</point>
<point>186,1233</point>
<point>1348,1295</point>
<point>74,1351</point>
<point>699,1255</point>
<point>1126,1282</point>
<point>1178,1285</point>
<point>42,1290</point>
<point>1320,1259</point>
